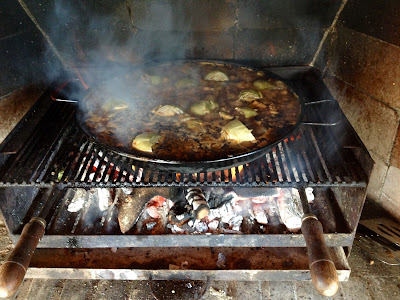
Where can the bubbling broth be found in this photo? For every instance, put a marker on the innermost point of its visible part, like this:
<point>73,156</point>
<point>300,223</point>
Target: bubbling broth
<point>192,111</point>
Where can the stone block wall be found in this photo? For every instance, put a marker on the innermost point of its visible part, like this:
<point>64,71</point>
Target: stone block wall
<point>362,70</point>
<point>92,33</point>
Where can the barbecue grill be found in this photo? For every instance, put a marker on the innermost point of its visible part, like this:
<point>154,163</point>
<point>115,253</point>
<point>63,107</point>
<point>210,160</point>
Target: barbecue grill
<point>47,156</point>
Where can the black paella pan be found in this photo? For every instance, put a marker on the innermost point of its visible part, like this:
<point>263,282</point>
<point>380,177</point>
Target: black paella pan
<point>86,116</point>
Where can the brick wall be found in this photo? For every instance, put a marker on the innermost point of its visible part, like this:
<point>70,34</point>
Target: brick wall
<point>362,70</point>
<point>276,32</point>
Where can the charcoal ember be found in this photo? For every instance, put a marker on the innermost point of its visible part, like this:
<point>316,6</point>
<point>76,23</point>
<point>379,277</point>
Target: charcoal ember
<point>104,197</point>
<point>227,215</point>
<point>259,209</point>
<point>275,225</point>
<point>254,192</point>
<point>155,208</point>
<point>78,200</point>
<point>179,217</point>
<point>259,214</point>
<point>127,190</point>
<point>236,222</point>
<point>131,207</point>
<point>249,225</point>
<point>290,210</point>
<point>197,200</point>
<point>200,226</point>
<point>213,225</point>
<point>185,226</point>
<point>216,196</point>
<point>154,218</point>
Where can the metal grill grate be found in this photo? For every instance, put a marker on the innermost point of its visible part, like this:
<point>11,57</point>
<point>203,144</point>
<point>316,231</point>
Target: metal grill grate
<point>59,153</point>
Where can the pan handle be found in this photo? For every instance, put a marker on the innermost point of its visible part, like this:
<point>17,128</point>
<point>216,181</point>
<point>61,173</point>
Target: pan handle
<point>13,269</point>
<point>322,268</point>
<point>321,102</point>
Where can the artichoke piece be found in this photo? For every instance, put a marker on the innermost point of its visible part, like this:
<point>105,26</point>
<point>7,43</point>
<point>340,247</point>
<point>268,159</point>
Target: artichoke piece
<point>112,104</point>
<point>167,110</point>
<point>280,84</point>
<point>247,112</point>
<point>250,95</point>
<point>216,76</point>
<point>264,85</point>
<point>237,131</point>
<point>225,116</point>
<point>185,82</point>
<point>145,141</point>
<point>203,107</point>
<point>194,124</point>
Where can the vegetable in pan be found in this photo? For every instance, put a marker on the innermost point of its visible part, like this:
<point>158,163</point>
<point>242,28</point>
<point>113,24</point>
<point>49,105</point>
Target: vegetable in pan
<point>192,111</point>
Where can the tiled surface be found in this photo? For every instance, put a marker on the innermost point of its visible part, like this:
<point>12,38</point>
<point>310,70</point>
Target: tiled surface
<point>211,15</point>
<point>15,106</point>
<point>395,159</point>
<point>361,57</point>
<point>380,19</point>
<point>375,122</point>
<point>390,198</point>
<point>277,47</point>
<point>366,63</point>
<point>130,31</point>
<point>287,14</point>
<point>377,179</point>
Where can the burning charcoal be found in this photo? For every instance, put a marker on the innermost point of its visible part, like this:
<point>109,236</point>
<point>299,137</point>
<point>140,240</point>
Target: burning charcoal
<point>213,225</point>
<point>131,206</point>
<point>309,193</point>
<point>104,198</point>
<point>275,223</point>
<point>155,216</point>
<point>130,209</point>
<point>200,226</point>
<point>249,225</point>
<point>290,209</point>
<point>78,200</point>
<point>179,218</point>
<point>150,226</point>
<point>127,190</point>
<point>256,192</point>
<point>216,196</point>
<point>227,212</point>
<point>155,205</point>
<point>236,222</point>
<point>260,214</point>
<point>197,200</point>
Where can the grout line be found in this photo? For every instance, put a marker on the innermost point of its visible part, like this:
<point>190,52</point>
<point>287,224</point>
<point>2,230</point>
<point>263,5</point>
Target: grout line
<point>236,25</point>
<point>329,74</point>
<point>327,32</point>
<point>45,35</point>
<point>394,141</point>
<point>388,163</point>
<point>130,14</point>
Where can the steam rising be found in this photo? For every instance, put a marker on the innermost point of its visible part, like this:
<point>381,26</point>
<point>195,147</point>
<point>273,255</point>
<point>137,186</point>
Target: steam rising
<point>99,43</point>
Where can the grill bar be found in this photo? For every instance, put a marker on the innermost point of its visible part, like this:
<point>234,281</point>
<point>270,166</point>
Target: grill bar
<point>68,158</point>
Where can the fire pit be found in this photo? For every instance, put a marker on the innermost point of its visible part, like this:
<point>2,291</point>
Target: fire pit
<point>243,219</point>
